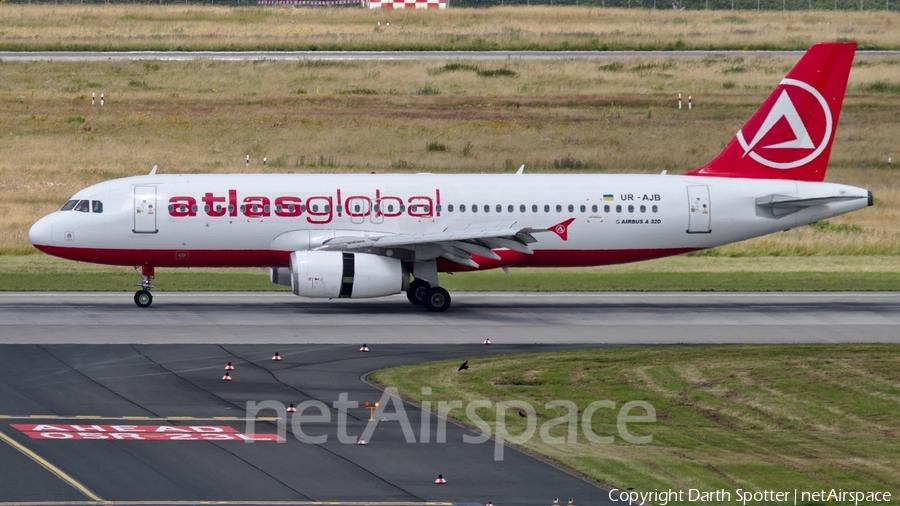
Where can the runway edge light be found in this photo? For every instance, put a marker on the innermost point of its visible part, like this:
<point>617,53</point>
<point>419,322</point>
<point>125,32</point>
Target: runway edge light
<point>487,341</point>
<point>229,367</point>
<point>364,348</point>
<point>227,377</point>
<point>291,408</point>
<point>277,357</point>
<point>440,480</point>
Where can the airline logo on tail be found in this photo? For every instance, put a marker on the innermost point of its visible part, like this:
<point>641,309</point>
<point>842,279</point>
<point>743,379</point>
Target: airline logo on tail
<point>783,141</point>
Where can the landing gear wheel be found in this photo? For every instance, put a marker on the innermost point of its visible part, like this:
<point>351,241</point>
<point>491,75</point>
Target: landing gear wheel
<point>417,291</point>
<point>437,300</point>
<point>143,298</point>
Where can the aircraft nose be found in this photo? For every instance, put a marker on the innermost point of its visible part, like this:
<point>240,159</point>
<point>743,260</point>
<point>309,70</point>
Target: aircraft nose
<point>41,232</point>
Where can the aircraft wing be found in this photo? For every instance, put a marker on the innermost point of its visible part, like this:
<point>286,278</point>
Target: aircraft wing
<point>456,244</point>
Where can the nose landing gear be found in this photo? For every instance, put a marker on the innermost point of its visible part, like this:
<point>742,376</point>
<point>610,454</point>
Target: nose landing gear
<point>143,297</point>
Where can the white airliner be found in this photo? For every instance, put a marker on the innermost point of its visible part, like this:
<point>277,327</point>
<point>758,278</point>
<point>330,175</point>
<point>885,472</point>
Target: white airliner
<point>365,235</point>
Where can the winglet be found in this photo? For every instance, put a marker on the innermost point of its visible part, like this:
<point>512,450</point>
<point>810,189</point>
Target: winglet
<point>562,229</point>
<point>521,170</point>
<point>153,171</point>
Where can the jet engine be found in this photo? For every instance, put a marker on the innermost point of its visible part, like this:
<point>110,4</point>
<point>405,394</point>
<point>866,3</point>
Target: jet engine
<point>335,274</point>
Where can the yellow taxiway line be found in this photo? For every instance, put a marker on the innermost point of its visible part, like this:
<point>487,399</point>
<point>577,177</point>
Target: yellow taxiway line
<point>53,469</point>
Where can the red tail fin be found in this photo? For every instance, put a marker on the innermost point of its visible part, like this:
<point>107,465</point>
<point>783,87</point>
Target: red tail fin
<point>790,135</point>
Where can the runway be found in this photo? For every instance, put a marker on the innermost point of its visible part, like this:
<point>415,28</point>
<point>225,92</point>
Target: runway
<point>13,56</point>
<point>505,318</point>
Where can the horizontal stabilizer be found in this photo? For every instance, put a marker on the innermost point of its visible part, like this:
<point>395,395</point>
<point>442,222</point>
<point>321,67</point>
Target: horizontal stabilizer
<point>783,205</point>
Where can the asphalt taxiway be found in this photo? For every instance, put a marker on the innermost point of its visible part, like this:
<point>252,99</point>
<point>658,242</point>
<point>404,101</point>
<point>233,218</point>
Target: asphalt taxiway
<point>12,56</point>
<point>505,318</point>
<point>52,396</point>
<point>88,382</point>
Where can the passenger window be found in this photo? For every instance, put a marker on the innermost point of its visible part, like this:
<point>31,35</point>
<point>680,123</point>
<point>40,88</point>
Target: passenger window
<point>437,208</point>
<point>390,208</point>
<point>583,208</point>
<point>97,206</point>
<point>571,208</point>
<point>450,208</point>
<point>302,208</point>
<point>291,208</point>
<point>619,209</point>
<point>339,208</point>
<point>655,209</point>
<point>546,208</point>
<point>83,206</point>
<point>327,208</point>
<point>487,208</point>
<point>426,209</point>
<point>243,208</point>
<point>402,207</point>
<point>68,206</point>
<point>193,209</point>
<point>522,208</point>
<point>414,208</point>
<point>315,208</point>
<point>558,208</point>
<point>630,209</point>
<point>266,209</point>
<point>594,208</point>
<point>377,208</point>
<point>534,208</point>
<point>462,208</point>
<point>474,208</point>
<point>643,209</point>
<point>230,208</point>
<point>605,209</point>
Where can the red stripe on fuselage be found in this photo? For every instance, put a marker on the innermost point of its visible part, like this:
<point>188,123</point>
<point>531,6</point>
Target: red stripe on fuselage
<point>268,258</point>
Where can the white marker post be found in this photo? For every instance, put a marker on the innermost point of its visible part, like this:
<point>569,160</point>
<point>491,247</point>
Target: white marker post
<point>264,161</point>
<point>93,97</point>
<point>248,160</point>
<point>690,104</point>
<point>679,101</point>
<point>101,100</point>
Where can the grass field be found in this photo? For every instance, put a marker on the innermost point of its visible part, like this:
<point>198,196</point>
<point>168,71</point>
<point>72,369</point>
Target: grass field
<point>879,273</point>
<point>200,27</point>
<point>766,417</point>
<point>618,115</point>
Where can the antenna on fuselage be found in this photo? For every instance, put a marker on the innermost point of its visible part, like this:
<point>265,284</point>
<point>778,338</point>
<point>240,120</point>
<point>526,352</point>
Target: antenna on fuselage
<point>153,171</point>
<point>521,170</point>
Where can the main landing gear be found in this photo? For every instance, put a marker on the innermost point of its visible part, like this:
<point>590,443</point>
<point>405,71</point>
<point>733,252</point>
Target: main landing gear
<point>143,297</point>
<point>435,299</point>
<point>422,293</point>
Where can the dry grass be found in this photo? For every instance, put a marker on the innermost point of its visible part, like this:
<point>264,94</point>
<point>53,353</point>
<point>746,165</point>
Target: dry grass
<point>51,27</point>
<point>617,115</point>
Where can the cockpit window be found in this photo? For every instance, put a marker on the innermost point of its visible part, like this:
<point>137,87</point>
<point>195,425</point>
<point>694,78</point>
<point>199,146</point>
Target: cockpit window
<point>83,206</point>
<point>96,206</point>
<point>68,206</point>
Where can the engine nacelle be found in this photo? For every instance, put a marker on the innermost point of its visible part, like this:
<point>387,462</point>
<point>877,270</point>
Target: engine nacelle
<point>334,274</point>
